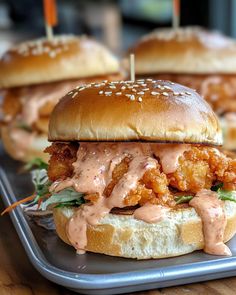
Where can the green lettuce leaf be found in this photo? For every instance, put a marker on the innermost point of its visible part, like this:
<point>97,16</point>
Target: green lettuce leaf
<point>36,163</point>
<point>227,195</point>
<point>66,197</point>
<point>183,199</point>
<point>222,195</point>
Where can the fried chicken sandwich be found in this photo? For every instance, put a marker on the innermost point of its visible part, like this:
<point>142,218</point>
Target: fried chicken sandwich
<point>135,171</point>
<point>197,58</point>
<point>34,75</point>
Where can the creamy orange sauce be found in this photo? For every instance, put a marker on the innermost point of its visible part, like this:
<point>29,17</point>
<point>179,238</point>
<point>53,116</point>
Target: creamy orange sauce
<point>210,209</point>
<point>150,213</point>
<point>33,99</point>
<point>169,155</point>
<point>93,172</point>
<point>22,140</point>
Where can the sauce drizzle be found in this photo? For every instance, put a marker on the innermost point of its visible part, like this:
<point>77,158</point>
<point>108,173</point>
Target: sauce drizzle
<point>209,208</point>
<point>93,172</point>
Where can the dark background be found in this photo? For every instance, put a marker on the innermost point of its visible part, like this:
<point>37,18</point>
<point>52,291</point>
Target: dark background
<point>117,23</point>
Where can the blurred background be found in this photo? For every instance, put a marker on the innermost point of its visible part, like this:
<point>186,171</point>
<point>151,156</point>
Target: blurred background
<point>117,23</point>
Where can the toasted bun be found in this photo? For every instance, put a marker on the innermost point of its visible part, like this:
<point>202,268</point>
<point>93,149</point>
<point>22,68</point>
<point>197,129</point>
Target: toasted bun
<point>22,149</point>
<point>185,50</point>
<point>65,57</point>
<point>144,110</point>
<point>228,123</point>
<point>180,232</point>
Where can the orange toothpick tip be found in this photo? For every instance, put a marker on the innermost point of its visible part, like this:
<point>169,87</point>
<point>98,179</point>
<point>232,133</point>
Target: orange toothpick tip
<point>50,12</point>
<point>176,14</point>
<point>176,4</point>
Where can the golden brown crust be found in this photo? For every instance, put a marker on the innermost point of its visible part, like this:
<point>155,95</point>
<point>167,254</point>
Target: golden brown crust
<point>181,233</point>
<point>65,57</point>
<point>185,50</point>
<point>141,110</point>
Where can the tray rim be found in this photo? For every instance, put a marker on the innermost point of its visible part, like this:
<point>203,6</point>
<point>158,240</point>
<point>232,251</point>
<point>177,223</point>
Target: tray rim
<point>216,268</point>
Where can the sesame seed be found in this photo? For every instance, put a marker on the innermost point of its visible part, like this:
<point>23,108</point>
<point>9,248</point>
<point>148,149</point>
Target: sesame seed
<point>167,87</point>
<point>172,83</point>
<point>130,87</point>
<point>188,93</point>
<point>149,80</point>
<point>141,92</point>
<point>154,93</point>
<point>159,86</point>
<point>112,87</point>
<point>97,85</point>
<point>108,93</point>
<point>128,95</point>
<point>123,87</point>
<point>70,92</point>
<point>74,95</point>
<point>165,93</point>
<point>145,89</point>
<point>104,81</point>
<point>144,84</point>
<point>140,99</point>
<point>132,97</point>
<point>140,80</point>
<point>176,93</point>
<point>100,92</point>
<point>118,93</point>
<point>182,93</point>
<point>134,90</point>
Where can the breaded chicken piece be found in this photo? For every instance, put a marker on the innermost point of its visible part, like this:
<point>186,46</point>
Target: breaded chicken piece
<point>200,167</point>
<point>62,157</point>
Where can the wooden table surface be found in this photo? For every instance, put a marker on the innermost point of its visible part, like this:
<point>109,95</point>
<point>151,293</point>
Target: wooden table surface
<point>18,277</point>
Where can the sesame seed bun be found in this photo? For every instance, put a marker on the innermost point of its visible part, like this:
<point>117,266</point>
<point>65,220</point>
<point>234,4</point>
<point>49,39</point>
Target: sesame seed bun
<point>64,57</point>
<point>180,232</point>
<point>185,50</point>
<point>144,110</point>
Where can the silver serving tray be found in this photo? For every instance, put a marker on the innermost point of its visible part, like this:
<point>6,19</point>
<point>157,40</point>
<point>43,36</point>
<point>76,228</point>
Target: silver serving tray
<point>100,274</point>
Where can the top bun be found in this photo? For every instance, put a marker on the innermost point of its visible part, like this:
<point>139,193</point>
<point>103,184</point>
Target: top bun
<point>63,57</point>
<point>144,110</point>
<point>185,50</point>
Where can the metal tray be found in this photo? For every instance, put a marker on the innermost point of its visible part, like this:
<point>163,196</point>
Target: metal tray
<point>101,274</point>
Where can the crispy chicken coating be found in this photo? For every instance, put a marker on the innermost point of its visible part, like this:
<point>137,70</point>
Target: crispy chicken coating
<point>199,167</point>
<point>62,157</point>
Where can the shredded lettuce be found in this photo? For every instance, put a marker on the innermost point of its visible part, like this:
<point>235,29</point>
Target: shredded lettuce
<point>66,197</point>
<point>222,195</point>
<point>36,163</point>
<point>183,199</point>
<point>227,195</point>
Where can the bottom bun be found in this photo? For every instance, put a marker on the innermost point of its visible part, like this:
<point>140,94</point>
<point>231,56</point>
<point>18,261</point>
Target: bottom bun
<point>180,232</point>
<point>20,148</point>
